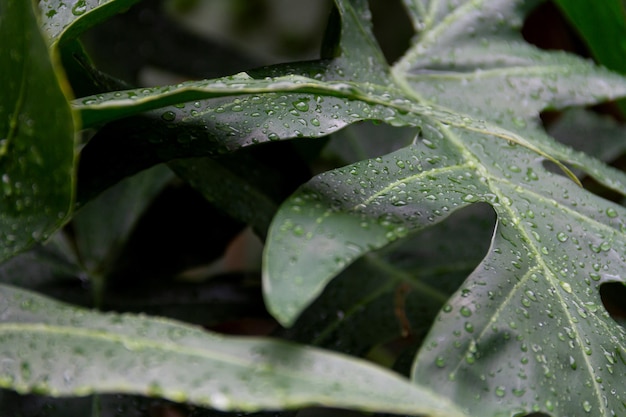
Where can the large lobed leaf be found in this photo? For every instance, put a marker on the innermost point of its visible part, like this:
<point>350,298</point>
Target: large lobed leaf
<point>530,315</point>
<point>36,133</point>
<point>54,349</point>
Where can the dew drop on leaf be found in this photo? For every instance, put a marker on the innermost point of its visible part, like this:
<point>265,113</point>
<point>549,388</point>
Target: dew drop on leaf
<point>440,362</point>
<point>301,105</point>
<point>611,212</point>
<point>566,287</point>
<point>518,392</point>
<point>466,312</point>
<point>79,8</point>
<point>168,116</point>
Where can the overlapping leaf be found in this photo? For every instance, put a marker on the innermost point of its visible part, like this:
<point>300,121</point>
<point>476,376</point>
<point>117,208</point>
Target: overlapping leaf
<point>58,350</point>
<point>554,243</point>
<point>36,134</point>
<point>66,20</point>
<point>530,314</point>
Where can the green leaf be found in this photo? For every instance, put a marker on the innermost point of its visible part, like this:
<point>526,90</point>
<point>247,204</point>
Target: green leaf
<point>576,126</point>
<point>602,28</point>
<point>230,185</point>
<point>480,89</point>
<point>99,237</point>
<point>414,277</point>
<point>53,349</point>
<point>62,21</point>
<point>36,134</point>
<point>477,48</point>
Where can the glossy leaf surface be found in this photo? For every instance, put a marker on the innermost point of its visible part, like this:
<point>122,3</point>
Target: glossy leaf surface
<point>36,134</point>
<point>54,349</point>
<point>468,92</point>
<point>67,20</point>
<point>554,243</point>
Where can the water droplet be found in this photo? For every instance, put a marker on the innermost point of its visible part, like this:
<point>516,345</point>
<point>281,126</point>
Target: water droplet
<point>168,116</point>
<point>440,362</point>
<point>315,122</point>
<point>79,8</point>
<point>301,105</point>
<point>500,391</point>
<point>562,237</point>
<point>611,212</point>
<point>273,136</point>
<point>587,406</point>
<point>466,312</point>
<point>518,392</point>
<point>429,144</point>
<point>566,287</point>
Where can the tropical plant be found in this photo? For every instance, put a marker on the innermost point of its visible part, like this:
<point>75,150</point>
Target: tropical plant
<point>447,234</point>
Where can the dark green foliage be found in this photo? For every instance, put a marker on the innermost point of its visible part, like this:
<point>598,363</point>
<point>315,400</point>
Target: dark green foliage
<point>349,210</point>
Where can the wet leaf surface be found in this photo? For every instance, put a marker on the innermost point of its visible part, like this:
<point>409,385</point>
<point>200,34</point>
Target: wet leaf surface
<point>63,21</point>
<point>467,96</point>
<point>536,291</point>
<point>36,135</point>
<point>54,349</point>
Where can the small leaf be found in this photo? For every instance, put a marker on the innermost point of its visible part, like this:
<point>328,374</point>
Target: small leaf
<point>57,350</point>
<point>99,238</point>
<point>36,134</point>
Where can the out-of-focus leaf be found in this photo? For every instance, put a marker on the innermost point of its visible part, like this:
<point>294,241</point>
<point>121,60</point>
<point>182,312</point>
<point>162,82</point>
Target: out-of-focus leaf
<point>54,349</point>
<point>367,140</point>
<point>593,134</point>
<point>102,225</point>
<point>229,190</point>
<point>13,404</point>
<point>51,269</point>
<point>36,134</point>
<point>602,28</point>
